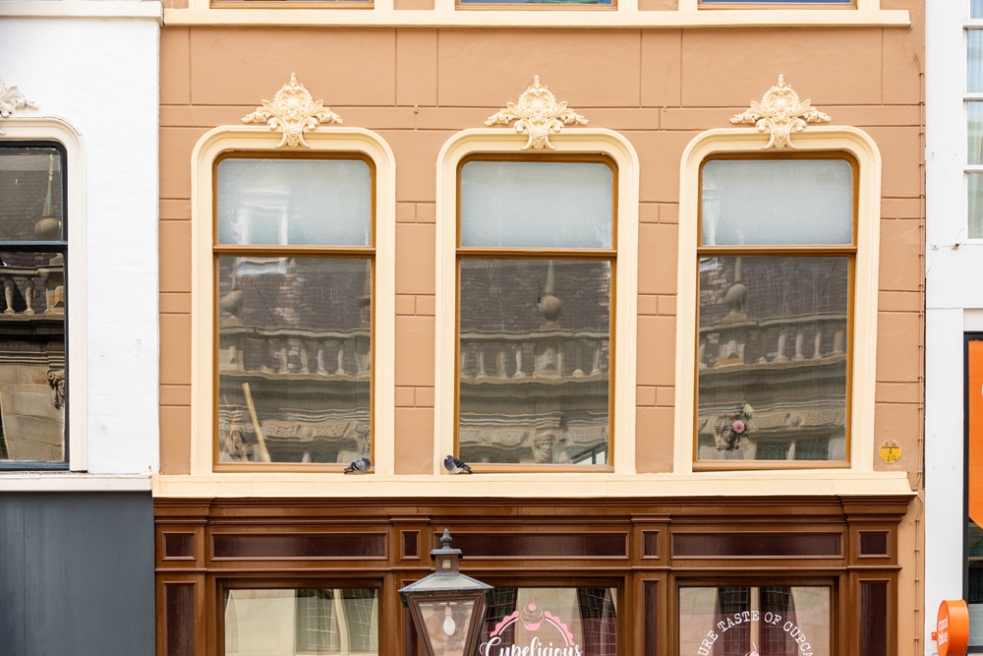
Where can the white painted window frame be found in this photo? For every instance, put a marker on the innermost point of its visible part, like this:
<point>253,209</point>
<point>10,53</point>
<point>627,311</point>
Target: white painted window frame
<point>259,138</point>
<point>57,129</point>
<point>864,329</point>
<point>507,142</point>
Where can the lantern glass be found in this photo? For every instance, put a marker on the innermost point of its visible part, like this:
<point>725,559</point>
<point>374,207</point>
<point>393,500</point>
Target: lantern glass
<point>447,623</point>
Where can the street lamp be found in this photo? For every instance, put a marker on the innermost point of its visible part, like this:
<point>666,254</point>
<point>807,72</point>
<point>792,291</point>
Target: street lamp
<point>447,606</point>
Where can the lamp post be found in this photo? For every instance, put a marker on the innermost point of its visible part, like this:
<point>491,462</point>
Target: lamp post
<point>447,606</point>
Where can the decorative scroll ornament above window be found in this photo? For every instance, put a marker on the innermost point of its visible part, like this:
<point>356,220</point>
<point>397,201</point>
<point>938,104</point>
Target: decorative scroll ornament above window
<point>293,112</point>
<point>781,113</point>
<point>11,99</point>
<point>537,113</point>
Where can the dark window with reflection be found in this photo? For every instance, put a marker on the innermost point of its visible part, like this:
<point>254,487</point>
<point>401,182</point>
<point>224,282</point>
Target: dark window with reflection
<point>775,275</point>
<point>536,266</point>
<point>294,350</point>
<point>33,317</point>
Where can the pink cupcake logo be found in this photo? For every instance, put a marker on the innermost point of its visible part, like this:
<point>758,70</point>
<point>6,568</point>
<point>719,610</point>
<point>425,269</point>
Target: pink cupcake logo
<point>531,616</point>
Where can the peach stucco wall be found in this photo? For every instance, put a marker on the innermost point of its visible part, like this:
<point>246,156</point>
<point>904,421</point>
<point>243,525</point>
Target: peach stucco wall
<point>659,88</point>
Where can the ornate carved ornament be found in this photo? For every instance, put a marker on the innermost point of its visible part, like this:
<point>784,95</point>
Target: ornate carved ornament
<point>293,112</point>
<point>11,100</point>
<point>537,113</point>
<point>56,380</point>
<point>780,113</point>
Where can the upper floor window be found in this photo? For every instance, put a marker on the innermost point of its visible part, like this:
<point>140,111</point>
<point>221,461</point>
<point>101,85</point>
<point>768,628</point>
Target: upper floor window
<point>974,123</point>
<point>536,254</point>
<point>776,255</point>
<point>776,3</point>
<point>293,258</point>
<point>33,322</point>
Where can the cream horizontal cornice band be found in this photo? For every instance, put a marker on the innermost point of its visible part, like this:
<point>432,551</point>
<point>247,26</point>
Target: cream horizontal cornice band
<point>72,482</point>
<point>798,482</point>
<point>553,17</point>
<point>145,9</point>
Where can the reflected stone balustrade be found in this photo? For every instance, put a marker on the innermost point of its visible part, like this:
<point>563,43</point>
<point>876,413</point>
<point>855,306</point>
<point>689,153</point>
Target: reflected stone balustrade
<point>299,352</point>
<point>778,340</point>
<point>556,353</point>
<point>22,285</point>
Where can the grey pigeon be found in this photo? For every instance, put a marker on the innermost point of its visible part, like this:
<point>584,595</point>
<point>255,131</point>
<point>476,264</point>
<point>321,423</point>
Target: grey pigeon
<point>456,465</point>
<point>359,466</point>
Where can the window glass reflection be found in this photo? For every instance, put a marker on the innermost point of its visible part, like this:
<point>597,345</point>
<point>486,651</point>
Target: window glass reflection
<point>534,361</point>
<point>294,359</point>
<point>570,620</point>
<point>768,620</point>
<point>772,365</point>
<point>293,622</point>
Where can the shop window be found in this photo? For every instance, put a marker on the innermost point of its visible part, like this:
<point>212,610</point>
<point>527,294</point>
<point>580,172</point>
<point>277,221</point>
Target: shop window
<point>293,260</point>
<point>776,254</point>
<point>302,621</point>
<point>973,566</point>
<point>974,124</point>
<point>536,255</point>
<point>33,316</point>
<point>575,620</point>
<point>768,620</point>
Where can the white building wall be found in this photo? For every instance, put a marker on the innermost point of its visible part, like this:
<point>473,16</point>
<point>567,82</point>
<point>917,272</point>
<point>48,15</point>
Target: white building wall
<point>100,74</point>
<point>954,303</point>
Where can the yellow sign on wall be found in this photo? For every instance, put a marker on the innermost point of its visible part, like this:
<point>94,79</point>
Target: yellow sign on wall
<point>890,451</point>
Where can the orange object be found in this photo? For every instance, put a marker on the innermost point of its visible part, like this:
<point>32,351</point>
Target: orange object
<point>952,628</point>
<point>976,431</point>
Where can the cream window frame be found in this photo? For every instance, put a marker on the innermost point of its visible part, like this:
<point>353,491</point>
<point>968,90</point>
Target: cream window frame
<point>864,334</point>
<point>55,129</point>
<point>341,140</point>
<point>502,142</point>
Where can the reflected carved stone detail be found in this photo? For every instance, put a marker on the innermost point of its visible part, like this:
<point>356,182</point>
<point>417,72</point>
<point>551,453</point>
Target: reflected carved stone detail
<point>538,114</point>
<point>56,379</point>
<point>293,111</point>
<point>11,100</point>
<point>780,113</point>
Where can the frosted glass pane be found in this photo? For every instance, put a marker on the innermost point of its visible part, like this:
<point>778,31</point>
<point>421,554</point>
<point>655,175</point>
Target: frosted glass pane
<point>975,181</point>
<point>974,131</point>
<point>777,201</point>
<point>974,60</point>
<point>976,9</point>
<point>537,204</point>
<point>317,202</point>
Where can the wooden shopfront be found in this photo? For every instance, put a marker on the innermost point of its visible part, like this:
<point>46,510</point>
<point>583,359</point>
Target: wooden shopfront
<point>598,577</point>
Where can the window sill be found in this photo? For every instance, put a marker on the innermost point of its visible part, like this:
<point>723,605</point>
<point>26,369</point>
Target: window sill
<point>36,481</point>
<point>559,18</point>
<point>80,9</point>
<point>558,485</point>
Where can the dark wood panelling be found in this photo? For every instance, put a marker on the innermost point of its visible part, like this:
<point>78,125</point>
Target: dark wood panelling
<point>291,547</point>
<point>873,543</point>
<point>756,545</point>
<point>179,619</point>
<point>179,546</point>
<point>874,618</point>
<point>540,545</point>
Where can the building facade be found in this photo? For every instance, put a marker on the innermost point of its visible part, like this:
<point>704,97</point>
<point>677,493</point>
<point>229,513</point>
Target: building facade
<point>668,311</point>
<point>953,313</point>
<point>79,326</point>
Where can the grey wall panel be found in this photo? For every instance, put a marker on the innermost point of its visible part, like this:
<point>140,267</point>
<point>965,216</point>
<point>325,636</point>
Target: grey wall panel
<point>76,574</point>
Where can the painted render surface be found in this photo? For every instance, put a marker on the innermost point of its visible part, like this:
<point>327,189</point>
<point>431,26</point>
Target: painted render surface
<point>101,77</point>
<point>658,88</point>
<point>954,305</point>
